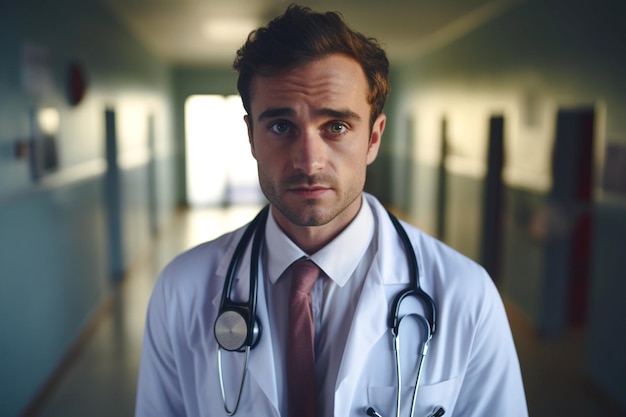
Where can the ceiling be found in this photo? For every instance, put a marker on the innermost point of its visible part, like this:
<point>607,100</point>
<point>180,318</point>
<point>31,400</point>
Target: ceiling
<point>173,29</point>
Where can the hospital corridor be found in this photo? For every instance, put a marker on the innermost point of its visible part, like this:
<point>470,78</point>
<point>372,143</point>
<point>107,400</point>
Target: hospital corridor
<point>123,143</point>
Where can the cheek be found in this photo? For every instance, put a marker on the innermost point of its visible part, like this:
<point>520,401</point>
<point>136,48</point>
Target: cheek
<point>268,163</point>
<point>264,155</point>
<point>351,166</point>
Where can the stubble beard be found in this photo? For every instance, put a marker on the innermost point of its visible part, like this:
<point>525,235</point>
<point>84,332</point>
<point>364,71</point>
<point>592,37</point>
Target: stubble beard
<point>309,212</point>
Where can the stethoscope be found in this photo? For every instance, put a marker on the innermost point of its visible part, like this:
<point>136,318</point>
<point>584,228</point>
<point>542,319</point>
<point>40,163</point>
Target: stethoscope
<point>238,330</point>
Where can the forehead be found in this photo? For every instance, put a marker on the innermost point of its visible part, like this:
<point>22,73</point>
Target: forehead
<point>334,80</point>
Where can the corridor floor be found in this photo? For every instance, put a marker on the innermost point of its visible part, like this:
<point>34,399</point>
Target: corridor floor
<point>100,378</point>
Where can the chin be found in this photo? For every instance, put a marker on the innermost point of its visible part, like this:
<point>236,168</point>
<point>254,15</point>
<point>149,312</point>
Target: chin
<point>309,215</point>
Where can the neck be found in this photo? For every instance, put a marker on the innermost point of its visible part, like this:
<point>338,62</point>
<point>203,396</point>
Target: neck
<point>313,238</point>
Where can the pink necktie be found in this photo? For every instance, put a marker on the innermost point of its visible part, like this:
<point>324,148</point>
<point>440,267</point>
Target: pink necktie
<point>300,352</point>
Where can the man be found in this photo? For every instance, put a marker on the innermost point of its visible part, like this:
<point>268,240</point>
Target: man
<point>314,91</point>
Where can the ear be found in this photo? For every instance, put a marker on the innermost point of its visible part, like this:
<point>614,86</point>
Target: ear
<point>376,136</point>
<point>246,118</point>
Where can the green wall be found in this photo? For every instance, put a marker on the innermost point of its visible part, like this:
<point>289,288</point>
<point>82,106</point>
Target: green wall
<point>55,242</point>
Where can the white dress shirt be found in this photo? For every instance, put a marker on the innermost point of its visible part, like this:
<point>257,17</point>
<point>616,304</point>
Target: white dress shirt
<point>344,262</point>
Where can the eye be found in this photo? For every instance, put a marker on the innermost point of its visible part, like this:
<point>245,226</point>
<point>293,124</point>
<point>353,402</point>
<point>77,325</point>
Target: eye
<point>337,128</point>
<point>280,127</point>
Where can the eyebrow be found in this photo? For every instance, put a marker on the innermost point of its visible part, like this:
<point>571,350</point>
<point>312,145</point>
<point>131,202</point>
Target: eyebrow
<point>272,113</point>
<point>287,111</point>
<point>340,114</point>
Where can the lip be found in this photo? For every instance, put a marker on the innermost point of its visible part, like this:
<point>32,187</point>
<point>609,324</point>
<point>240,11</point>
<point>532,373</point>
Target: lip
<point>309,191</point>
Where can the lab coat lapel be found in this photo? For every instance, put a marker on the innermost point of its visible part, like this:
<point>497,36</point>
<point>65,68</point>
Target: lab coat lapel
<point>368,326</point>
<point>370,320</point>
<point>261,366</point>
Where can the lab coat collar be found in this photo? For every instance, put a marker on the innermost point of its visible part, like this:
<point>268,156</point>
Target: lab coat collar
<point>391,255</point>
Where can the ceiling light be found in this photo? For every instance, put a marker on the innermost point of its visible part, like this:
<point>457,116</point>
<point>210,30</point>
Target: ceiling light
<point>228,30</point>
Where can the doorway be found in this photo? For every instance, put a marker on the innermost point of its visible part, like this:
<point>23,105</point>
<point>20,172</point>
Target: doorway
<point>220,168</point>
<point>568,256</point>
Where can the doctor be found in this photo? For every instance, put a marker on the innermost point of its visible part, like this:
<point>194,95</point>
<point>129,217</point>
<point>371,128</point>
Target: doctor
<point>314,91</point>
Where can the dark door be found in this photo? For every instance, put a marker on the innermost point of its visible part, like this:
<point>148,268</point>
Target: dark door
<point>571,193</point>
<point>152,179</point>
<point>442,181</point>
<point>113,197</point>
<point>491,247</point>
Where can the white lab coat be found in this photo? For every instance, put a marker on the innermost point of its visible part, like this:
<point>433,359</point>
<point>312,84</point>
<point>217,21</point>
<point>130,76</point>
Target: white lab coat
<point>471,368</point>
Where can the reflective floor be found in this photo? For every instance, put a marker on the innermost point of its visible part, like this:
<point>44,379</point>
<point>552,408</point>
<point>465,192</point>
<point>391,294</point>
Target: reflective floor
<point>100,379</point>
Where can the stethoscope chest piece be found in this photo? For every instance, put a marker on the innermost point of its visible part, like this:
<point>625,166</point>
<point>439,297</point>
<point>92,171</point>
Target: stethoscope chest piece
<point>232,332</point>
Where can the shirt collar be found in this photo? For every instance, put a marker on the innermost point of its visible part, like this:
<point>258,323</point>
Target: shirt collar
<point>338,259</point>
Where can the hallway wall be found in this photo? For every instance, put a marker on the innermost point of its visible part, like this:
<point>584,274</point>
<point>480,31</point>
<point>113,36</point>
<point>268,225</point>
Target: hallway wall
<point>525,65</point>
<point>55,264</point>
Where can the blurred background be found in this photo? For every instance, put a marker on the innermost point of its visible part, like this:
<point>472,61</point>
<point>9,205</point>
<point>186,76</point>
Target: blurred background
<point>121,144</point>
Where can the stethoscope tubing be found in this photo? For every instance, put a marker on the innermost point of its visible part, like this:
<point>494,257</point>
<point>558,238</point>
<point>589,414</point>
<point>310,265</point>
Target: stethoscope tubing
<point>227,410</point>
<point>415,288</point>
<point>247,311</point>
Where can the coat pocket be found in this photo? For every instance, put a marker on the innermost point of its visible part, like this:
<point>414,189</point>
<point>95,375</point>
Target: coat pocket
<point>429,397</point>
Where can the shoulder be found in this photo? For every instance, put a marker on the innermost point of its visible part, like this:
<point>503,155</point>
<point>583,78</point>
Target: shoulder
<point>437,257</point>
<point>444,273</point>
<point>468,302</point>
<point>194,271</point>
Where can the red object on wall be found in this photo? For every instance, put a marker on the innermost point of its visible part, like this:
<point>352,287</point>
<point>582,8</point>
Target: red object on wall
<point>76,83</point>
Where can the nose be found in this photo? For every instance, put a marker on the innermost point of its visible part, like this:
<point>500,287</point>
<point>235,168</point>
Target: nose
<point>309,153</point>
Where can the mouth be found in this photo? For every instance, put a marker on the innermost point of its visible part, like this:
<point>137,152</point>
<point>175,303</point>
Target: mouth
<point>308,186</point>
<point>309,191</point>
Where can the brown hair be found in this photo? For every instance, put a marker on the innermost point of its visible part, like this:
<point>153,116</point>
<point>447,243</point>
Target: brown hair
<point>300,36</point>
